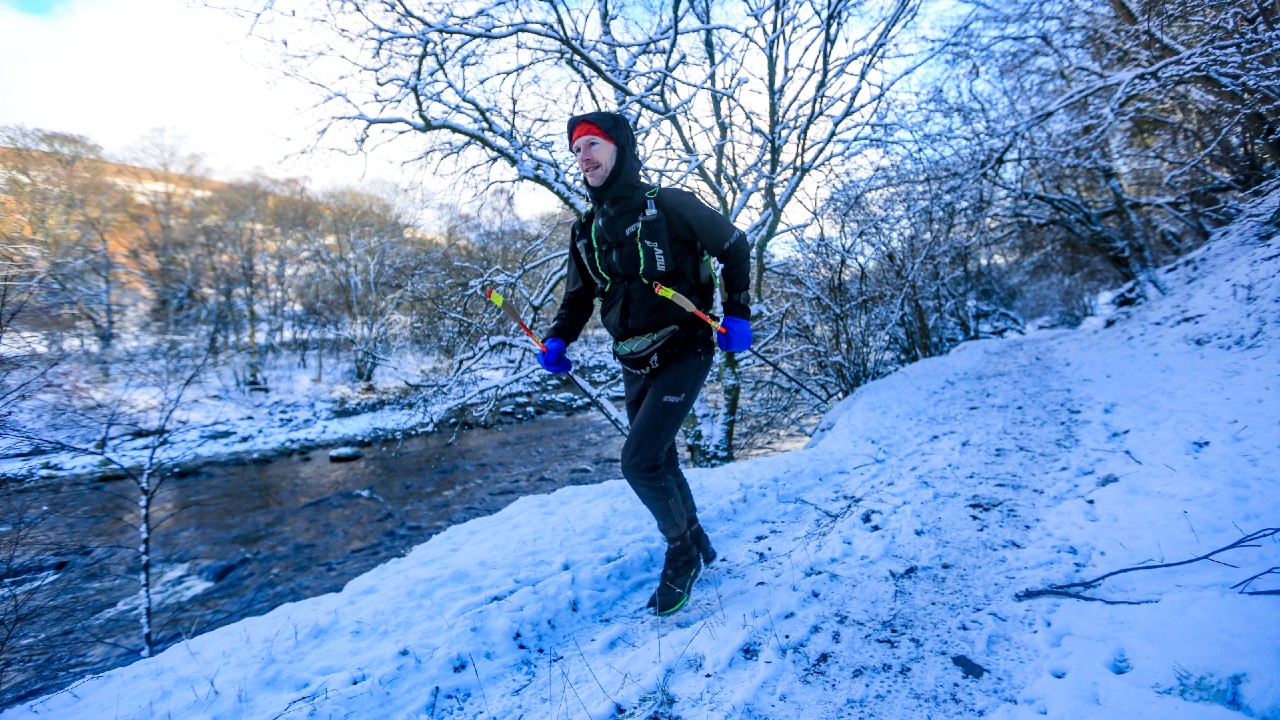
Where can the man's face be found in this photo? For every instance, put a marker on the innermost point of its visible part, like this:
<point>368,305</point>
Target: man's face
<point>595,157</point>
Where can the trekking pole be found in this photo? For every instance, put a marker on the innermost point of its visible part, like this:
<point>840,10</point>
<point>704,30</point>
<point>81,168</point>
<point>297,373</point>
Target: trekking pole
<point>687,304</point>
<point>613,418</point>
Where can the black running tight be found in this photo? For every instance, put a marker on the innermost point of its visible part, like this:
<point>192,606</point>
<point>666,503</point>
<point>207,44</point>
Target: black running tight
<point>657,404</point>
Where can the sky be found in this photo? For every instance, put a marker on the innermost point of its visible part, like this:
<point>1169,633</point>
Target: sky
<point>114,70</point>
<point>873,574</point>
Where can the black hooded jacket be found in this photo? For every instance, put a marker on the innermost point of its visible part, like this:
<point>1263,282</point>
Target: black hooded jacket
<point>617,258</point>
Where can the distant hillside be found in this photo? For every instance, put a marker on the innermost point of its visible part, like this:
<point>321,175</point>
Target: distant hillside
<point>132,177</point>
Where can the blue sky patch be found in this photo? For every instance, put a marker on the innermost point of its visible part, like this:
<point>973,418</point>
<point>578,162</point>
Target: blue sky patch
<point>35,7</point>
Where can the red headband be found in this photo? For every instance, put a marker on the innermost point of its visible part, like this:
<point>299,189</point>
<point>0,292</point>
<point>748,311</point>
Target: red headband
<point>586,127</point>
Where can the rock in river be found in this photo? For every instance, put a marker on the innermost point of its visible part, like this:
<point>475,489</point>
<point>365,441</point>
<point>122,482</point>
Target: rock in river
<point>344,454</point>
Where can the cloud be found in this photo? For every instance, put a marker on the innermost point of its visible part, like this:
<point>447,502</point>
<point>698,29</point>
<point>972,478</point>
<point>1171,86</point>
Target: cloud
<point>112,70</point>
<point>115,70</point>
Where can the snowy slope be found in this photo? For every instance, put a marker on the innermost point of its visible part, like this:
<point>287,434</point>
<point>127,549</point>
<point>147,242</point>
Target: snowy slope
<point>871,575</point>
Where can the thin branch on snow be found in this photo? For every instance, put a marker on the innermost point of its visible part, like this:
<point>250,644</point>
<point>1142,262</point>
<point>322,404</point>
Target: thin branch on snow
<point>1245,583</point>
<point>1064,590</point>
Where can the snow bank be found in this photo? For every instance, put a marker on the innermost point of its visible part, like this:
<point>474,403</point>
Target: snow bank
<point>873,574</point>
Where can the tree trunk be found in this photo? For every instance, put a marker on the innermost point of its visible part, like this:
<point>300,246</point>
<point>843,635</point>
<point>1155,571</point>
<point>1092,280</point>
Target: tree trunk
<point>144,551</point>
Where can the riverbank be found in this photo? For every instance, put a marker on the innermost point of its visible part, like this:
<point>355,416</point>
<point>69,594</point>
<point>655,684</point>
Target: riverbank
<point>219,427</point>
<point>243,538</point>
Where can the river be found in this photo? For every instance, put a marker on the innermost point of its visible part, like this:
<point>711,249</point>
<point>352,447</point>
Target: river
<point>236,540</point>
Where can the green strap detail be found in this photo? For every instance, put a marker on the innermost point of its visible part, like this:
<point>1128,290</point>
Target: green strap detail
<point>651,194</point>
<point>595,248</point>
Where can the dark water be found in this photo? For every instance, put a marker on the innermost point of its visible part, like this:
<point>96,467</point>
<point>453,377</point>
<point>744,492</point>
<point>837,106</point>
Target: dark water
<point>264,535</point>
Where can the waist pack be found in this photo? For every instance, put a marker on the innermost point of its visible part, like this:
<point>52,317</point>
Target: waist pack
<point>640,354</point>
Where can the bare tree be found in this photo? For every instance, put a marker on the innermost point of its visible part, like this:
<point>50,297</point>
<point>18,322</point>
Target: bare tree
<point>141,435</point>
<point>1129,127</point>
<point>1051,150</point>
<point>748,100</point>
<point>900,268</point>
<point>365,264</point>
<point>244,246</point>
<point>27,558</point>
<point>23,361</point>
<point>487,358</point>
<point>754,103</point>
<point>170,204</point>
<point>73,216</point>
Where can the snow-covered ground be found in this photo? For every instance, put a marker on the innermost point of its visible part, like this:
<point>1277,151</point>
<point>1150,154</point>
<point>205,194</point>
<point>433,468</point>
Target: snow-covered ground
<point>873,574</point>
<point>217,420</point>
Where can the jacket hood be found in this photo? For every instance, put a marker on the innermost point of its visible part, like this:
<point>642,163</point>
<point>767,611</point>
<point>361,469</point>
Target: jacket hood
<point>625,175</point>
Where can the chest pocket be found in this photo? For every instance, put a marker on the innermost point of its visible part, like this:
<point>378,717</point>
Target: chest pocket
<point>653,241</point>
<point>643,252</point>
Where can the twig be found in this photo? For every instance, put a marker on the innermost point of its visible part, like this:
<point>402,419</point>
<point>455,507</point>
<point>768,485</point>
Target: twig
<point>1061,590</point>
<point>476,670</point>
<point>1029,594</point>
<point>431,711</point>
<point>589,670</point>
<point>309,697</point>
<point>1241,543</point>
<point>824,511</point>
<point>565,674</point>
<point>1245,583</point>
